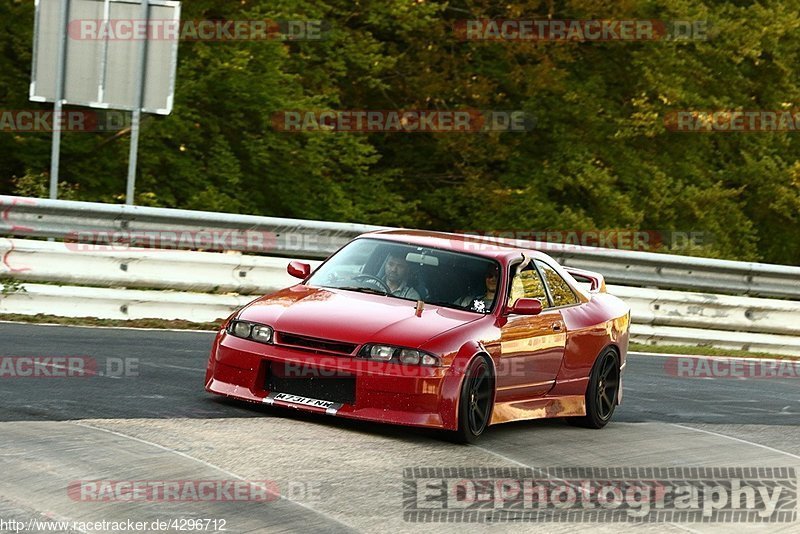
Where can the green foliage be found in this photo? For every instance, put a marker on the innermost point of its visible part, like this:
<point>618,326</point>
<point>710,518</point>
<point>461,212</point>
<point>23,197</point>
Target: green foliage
<point>600,156</point>
<point>38,186</point>
<point>9,286</point>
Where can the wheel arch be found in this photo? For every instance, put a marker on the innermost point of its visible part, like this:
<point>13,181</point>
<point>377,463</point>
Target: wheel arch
<point>620,368</point>
<point>618,352</point>
<point>480,351</point>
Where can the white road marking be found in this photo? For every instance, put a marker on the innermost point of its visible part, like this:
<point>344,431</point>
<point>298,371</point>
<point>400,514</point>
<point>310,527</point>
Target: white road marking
<point>573,486</point>
<point>504,457</point>
<point>212,466</point>
<point>735,439</point>
<point>707,357</point>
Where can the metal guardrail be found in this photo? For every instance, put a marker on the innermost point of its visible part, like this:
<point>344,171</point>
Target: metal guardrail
<point>174,228</point>
<point>273,236</point>
<point>207,272</point>
<point>124,304</point>
<point>649,269</point>
<point>126,276</point>
<point>120,304</point>
<point>204,272</point>
<point>117,283</point>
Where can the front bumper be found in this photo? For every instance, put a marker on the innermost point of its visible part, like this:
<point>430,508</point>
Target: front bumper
<point>384,392</point>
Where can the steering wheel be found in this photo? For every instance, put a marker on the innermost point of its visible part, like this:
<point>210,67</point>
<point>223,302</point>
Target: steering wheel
<point>369,278</point>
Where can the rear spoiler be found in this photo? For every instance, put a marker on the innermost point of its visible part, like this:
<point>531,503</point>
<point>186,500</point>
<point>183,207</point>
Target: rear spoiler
<point>597,284</point>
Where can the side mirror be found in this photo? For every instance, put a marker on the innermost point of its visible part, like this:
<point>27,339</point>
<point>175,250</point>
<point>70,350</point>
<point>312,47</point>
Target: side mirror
<point>526,306</point>
<point>298,269</point>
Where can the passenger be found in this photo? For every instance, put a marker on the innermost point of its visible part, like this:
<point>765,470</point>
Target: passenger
<point>482,303</point>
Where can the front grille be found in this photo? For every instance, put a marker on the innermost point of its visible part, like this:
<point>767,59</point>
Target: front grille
<point>340,388</point>
<point>315,344</point>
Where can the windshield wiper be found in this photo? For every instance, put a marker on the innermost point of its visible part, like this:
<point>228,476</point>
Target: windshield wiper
<point>370,290</point>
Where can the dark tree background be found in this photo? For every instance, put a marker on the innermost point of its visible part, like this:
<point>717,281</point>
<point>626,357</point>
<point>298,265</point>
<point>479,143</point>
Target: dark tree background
<point>599,157</point>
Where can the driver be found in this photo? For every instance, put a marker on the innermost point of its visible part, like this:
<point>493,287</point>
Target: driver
<point>396,276</point>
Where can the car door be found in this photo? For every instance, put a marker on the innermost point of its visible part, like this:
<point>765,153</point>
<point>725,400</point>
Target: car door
<point>531,346</point>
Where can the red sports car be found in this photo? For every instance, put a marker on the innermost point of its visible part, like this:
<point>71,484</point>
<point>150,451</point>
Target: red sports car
<point>434,330</point>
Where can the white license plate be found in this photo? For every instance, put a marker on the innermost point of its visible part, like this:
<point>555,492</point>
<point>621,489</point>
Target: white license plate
<point>305,401</point>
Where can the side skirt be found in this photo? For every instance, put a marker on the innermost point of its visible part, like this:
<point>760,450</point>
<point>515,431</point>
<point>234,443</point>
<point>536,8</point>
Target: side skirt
<point>543,408</point>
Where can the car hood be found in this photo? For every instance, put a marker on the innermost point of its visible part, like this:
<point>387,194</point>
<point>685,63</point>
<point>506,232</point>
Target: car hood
<point>353,317</point>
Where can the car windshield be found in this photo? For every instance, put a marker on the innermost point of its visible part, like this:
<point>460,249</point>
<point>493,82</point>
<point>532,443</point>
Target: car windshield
<point>411,272</point>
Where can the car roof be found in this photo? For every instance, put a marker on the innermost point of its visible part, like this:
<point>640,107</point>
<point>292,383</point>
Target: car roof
<point>488,247</point>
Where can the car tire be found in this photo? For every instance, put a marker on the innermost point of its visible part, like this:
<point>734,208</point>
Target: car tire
<point>601,393</point>
<point>475,403</point>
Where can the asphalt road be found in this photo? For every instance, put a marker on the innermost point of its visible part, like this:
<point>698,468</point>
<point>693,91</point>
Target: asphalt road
<point>171,366</point>
<point>333,474</point>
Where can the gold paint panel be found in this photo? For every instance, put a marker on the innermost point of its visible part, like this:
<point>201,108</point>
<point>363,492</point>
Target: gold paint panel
<point>567,406</point>
<point>532,344</point>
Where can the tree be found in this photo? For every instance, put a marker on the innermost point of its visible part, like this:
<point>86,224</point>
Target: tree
<point>599,157</point>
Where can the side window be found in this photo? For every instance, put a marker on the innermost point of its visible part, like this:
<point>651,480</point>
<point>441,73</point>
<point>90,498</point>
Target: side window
<point>528,284</point>
<point>559,289</point>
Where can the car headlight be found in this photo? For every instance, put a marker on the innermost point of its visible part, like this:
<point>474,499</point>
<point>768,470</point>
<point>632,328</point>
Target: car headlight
<point>254,331</point>
<point>409,356</point>
<point>382,353</point>
<point>241,329</point>
<point>391,353</point>
<point>262,333</point>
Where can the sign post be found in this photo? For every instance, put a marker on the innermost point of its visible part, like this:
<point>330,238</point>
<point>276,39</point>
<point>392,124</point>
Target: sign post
<point>81,58</point>
<point>55,150</point>
<point>137,111</point>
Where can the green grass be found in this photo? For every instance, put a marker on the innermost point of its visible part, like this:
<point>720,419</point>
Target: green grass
<point>706,351</point>
<point>94,321</point>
